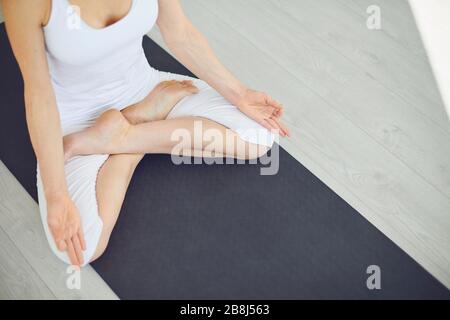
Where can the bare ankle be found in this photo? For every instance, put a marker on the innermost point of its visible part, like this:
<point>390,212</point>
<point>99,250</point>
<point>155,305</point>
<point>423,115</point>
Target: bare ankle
<point>132,113</point>
<point>69,145</point>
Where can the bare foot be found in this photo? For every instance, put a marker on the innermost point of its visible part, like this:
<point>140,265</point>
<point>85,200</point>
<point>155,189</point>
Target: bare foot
<point>159,102</point>
<point>108,131</point>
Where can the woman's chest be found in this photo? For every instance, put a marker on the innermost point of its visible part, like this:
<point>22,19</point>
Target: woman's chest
<point>72,40</point>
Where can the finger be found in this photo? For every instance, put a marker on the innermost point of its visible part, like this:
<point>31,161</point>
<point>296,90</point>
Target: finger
<point>71,253</point>
<point>78,250</point>
<point>282,127</point>
<point>266,125</point>
<point>268,112</point>
<point>62,245</point>
<point>170,83</point>
<point>276,127</point>
<point>275,124</point>
<point>187,82</point>
<point>55,229</point>
<point>189,86</point>
<point>165,84</point>
<point>71,230</point>
<point>272,102</point>
<point>58,238</point>
<point>81,237</point>
<point>192,89</point>
<point>278,113</point>
<point>269,126</point>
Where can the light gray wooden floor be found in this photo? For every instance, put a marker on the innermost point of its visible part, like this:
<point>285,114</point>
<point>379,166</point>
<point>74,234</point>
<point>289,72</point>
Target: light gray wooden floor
<point>363,107</point>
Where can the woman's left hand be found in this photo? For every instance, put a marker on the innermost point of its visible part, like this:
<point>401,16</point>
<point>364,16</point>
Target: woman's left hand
<point>263,109</point>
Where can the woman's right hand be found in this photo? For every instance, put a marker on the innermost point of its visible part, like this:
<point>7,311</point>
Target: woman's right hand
<point>65,225</point>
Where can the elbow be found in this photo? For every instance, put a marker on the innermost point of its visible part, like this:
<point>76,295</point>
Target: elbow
<point>181,36</point>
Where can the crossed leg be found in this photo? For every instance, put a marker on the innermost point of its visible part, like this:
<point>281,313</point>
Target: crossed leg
<point>140,129</point>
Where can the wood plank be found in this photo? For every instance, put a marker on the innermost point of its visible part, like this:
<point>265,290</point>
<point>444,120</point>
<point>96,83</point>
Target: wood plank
<point>377,184</point>
<point>380,56</point>
<point>20,220</point>
<point>18,280</point>
<point>397,22</point>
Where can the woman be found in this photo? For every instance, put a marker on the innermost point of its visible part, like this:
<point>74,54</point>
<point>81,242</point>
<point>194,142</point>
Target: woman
<point>94,106</point>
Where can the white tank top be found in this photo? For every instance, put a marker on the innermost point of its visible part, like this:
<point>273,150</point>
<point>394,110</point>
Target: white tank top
<point>93,70</point>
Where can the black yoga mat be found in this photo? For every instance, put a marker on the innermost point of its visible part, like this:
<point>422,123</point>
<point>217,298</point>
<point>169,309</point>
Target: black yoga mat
<point>225,231</point>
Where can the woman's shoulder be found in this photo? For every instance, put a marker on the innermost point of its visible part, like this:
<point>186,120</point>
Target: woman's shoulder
<point>37,11</point>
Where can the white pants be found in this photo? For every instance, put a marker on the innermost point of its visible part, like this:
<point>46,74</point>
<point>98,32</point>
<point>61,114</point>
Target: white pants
<point>81,171</point>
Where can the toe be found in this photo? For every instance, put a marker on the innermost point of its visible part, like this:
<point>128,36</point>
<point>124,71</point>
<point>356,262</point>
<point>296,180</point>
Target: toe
<point>187,82</point>
<point>193,89</point>
<point>165,84</point>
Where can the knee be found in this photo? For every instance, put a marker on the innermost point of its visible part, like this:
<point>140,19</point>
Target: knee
<point>126,163</point>
<point>101,245</point>
<point>100,250</point>
<point>129,162</point>
<point>256,151</point>
<point>133,161</point>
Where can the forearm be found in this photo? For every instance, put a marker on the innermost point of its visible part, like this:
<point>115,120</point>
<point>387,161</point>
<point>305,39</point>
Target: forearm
<point>46,137</point>
<point>192,49</point>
